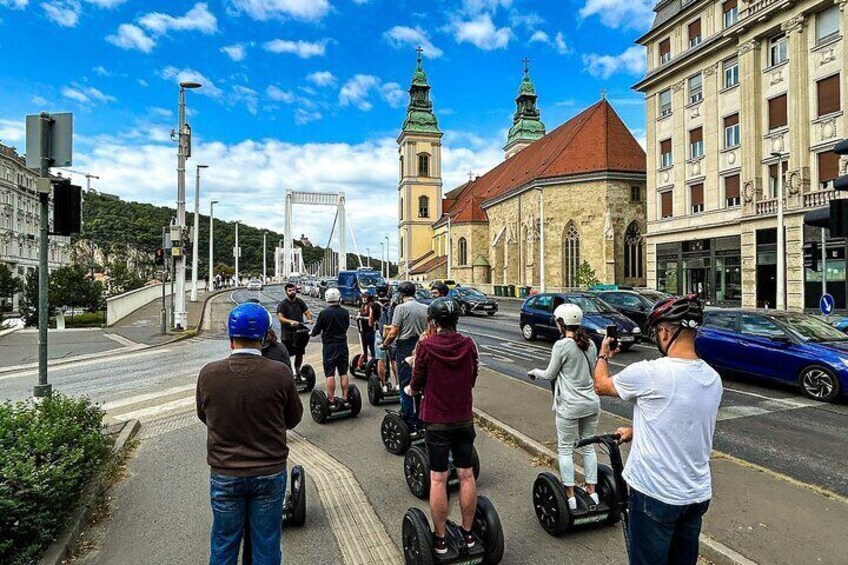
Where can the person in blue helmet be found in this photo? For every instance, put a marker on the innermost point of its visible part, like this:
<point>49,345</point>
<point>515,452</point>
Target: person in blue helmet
<point>248,403</point>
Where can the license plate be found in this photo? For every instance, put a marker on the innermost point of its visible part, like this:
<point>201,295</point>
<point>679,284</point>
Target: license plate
<point>626,339</point>
<point>489,307</point>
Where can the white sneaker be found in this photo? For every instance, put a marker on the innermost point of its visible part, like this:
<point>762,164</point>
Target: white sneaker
<point>572,503</point>
<point>594,497</point>
<point>385,389</point>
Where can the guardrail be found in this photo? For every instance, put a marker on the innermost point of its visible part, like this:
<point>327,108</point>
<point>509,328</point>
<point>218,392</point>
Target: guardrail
<point>122,305</point>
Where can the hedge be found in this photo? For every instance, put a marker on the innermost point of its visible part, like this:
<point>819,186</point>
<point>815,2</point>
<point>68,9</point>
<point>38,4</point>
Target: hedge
<point>86,320</point>
<point>48,453</point>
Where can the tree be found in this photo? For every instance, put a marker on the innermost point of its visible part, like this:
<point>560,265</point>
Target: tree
<point>72,287</point>
<point>586,275</point>
<point>29,300</point>
<point>9,286</point>
<point>122,280</point>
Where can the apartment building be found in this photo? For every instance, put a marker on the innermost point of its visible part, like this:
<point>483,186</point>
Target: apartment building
<point>738,94</point>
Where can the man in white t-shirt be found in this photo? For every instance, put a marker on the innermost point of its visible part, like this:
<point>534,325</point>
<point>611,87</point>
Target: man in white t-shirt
<point>676,402</point>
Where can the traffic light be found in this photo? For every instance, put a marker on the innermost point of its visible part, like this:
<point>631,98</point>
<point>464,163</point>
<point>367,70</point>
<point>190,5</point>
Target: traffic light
<point>160,257</point>
<point>835,217</point>
<point>67,208</point>
<point>811,255</point>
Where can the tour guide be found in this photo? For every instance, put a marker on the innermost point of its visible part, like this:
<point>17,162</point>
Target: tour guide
<point>248,403</point>
<point>290,312</point>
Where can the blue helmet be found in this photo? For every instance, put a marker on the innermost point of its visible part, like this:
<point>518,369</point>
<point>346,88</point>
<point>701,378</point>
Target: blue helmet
<point>248,321</point>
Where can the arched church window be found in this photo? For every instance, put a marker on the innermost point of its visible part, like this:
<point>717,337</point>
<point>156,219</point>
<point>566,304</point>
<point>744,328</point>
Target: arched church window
<point>423,165</point>
<point>570,255</point>
<point>462,251</point>
<point>634,251</point>
<point>423,207</point>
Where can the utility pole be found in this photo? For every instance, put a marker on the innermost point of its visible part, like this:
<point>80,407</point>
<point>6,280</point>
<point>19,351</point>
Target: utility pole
<point>196,235</point>
<point>264,260</point>
<point>211,239</point>
<point>43,388</point>
<point>236,253</point>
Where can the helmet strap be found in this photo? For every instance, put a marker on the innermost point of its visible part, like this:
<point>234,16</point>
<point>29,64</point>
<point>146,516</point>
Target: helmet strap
<point>670,342</point>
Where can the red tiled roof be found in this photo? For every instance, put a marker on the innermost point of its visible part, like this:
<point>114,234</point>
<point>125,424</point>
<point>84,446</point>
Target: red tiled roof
<point>595,140</point>
<point>422,257</point>
<point>430,265</point>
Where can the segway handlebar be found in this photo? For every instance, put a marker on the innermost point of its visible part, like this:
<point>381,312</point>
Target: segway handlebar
<point>603,438</point>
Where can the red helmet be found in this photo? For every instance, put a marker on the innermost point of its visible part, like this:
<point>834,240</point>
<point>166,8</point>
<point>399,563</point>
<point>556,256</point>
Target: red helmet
<point>683,311</point>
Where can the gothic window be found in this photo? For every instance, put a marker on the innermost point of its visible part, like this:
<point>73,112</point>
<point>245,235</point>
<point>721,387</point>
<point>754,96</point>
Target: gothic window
<point>400,249</point>
<point>634,246</point>
<point>423,207</point>
<point>423,165</point>
<point>462,251</point>
<point>571,255</point>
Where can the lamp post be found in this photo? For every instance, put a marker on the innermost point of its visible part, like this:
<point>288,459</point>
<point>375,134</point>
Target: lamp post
<point>264,260</point>
<point>236,253</point>
<point>383,259</point>
<point>183,153</point>
<point>211,236</point>
<point>368,257</point>
<point>388,261</point>
<point>781,259</point>
<point>542,285</point>
<point>194,243</point>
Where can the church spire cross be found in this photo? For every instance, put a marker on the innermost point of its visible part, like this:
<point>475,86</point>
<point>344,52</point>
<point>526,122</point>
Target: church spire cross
<point>420,52</point>
<point>526,66</point>
<point>603,94</point>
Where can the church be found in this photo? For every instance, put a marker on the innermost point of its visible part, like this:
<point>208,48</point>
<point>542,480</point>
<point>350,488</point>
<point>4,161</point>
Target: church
<point>564,209</point>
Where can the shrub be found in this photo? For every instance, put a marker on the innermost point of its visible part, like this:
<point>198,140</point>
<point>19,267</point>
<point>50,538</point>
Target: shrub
<point>48,453</point>
<point>86,320</point>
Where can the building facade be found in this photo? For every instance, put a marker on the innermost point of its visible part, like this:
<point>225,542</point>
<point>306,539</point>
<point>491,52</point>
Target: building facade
<point>742,96</point>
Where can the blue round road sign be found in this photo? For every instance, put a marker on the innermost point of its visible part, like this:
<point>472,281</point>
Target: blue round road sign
<point>827,304</point>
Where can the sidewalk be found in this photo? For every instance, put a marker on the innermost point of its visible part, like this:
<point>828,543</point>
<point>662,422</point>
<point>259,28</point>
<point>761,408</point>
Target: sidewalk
<point>765,518</point>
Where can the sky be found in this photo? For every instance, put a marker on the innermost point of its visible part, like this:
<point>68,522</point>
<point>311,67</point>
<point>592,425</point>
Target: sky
<point>304,94</point>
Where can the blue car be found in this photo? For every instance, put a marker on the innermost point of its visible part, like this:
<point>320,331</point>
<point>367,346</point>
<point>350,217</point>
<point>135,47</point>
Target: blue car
<point>537,318</point>
<point>786,347</point>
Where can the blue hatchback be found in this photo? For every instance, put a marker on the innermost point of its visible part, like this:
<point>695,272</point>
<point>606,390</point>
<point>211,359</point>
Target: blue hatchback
<point>780,346</point>
<point>537,318</point>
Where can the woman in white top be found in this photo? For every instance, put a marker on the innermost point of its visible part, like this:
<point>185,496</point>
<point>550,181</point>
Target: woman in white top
<point>576,404</point>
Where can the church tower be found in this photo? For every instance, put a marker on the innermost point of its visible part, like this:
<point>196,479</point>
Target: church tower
<point>527,126</point>
<point>420,186</point>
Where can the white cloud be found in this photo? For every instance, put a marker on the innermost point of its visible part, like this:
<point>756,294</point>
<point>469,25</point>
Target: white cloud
<point>161,112</point>
<point>106,3</point>
<point>357,90</point>
<point>100,70</point>
<point>322,78</point>
<point>244,95</point>
<point>235,52</point>
<point>306,10</point>
<point>560,43</point>
<point>631,62</point>
<point>176,75</point>
<point>12,131</point>
<point>86,95</point>
<point>142,82</point>
<point>392,94</point>
<point>130,36</point>
<point>557,42</point>
<point>529,20</point>
<point>482,32</point>
<point>475,7</point>
<point>39,100</point>
<point>199,18</point>
<point>302,117</point>
<point>14,4</point>
<point>277,94</point>
<point>66,13</point>
<point>303,49</point>
<point>628,14</point>
<point>540,37</point>
<point>402,36</point>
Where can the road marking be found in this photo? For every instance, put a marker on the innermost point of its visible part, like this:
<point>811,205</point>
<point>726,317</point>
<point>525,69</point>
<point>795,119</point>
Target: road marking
<point>792,403</point>
<point>84,361</point>
<point>121,339</point>
<point>139,398</point>
<point>158,410</point>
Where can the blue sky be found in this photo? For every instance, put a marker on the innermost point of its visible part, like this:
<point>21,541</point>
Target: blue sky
<point>307,94</point>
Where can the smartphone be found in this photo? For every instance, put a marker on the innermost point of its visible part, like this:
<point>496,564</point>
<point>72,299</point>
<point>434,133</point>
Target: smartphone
<point>612,331</point>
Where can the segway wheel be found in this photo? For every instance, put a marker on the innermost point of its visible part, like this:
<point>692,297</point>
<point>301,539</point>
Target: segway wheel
<point>371,368</point>
<point>608,492</point>
<point>475,464</point>
<point>416,470</point>
<point>395,434</point>
<point>375,390</point>
<point>417,538</point>
<point>297,517</point>
<point>355,400</point>
<point>487,526</point>
<point>308,375</point>
<point>354,365</point>
<point>550,504</point>
<point>319,407</point>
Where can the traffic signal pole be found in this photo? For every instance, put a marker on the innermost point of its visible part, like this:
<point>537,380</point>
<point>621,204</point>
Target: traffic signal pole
<point>43,388</point>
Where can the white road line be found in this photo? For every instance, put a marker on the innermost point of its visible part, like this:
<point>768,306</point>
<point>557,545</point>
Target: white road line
<point>792,403</point>
<point>147,413</point>
<point>85,361</point>
<point>139,398</point>
<point>121,339</point>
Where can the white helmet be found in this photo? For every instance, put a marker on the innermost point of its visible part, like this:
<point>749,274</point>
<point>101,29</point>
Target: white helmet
<point>332,296</point>
<point>569,314</point>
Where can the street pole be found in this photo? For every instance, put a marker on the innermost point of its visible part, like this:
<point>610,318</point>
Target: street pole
<point>383,260</point>
<point>368,257</point>
<point>781,260</point>
<point>211,238</point>
<point>450,248</point>
<point>264,260</point>
<point>195,244</point>
<point>236,254</point>
<point>163,312</point>
<point>542,284</point>
<point>824,263</point>
<point>388,261</point>
<point>43,388</point>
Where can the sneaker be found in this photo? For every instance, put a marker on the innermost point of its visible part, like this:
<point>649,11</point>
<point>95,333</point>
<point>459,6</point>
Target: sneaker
<point>440,545</point>
<point>468,537</point>
<point>595,498</point>
<point>572,503</point>
<point>385,389</point>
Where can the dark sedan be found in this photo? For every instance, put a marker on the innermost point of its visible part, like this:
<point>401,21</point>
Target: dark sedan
<point>472,301</point>
<point>630,303</point>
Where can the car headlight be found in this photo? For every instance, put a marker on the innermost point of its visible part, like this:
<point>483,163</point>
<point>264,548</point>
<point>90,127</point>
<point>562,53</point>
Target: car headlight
<point>637,330</point>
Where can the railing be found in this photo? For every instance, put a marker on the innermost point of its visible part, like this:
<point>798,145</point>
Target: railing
<point>758,6</point>
<point>818,198</point>
<point>767,207</point>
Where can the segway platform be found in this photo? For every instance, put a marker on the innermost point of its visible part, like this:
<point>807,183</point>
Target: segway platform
<point>376,395</point>
<point>362,369</point>
<point>323,411</point>
<point>395,433</point>
<point>416,470</point>
<point>305,379</point>
<point>294,512</point>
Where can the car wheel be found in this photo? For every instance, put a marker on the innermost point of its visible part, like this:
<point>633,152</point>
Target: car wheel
<point>465,310</point>
<point>528,332</point>
<point>819,383</point>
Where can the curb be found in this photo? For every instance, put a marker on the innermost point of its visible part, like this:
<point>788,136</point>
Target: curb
<point>711,549</point>
<point>59,550</point>
<point>9,331</point>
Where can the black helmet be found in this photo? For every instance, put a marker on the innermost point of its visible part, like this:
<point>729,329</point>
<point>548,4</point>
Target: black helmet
<point>684,311</point>
<point>441,288</point>
<point>444,311</point>
<point>382,290</point>
<point>406,288</point>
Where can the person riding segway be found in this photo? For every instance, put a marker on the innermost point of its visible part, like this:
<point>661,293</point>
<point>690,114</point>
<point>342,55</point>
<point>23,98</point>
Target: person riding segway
<point>291,312</point>
<point>364,364</point>
<point>380,387</point>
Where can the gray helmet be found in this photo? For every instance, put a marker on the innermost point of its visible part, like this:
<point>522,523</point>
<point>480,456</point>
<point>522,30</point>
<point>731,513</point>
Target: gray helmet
<point>406,288</point>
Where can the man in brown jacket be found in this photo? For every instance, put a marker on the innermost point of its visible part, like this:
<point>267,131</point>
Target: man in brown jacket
<point>248,403</point>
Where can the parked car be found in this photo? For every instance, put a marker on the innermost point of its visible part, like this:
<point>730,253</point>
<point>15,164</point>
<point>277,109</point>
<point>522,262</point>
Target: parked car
<point>537,318</point>
<point>653,295</point>
<point>450,283</point>
<point>424,296</point>
<point>786,347</point>
<point>472,300</point>
<point>841,324</point>
<point>632,304</point>
<point>254,284</point>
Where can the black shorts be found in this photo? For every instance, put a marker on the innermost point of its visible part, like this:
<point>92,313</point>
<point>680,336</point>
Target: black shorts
<point>336,358</point>
<point>457,441</point>
<point>289,345</point>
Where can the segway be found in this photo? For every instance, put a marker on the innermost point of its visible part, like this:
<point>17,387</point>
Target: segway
<point>416,471</point>
<point>551,502</point>
<point>294,510</point>
<point>395,433</point>
<point>323,411</point>
<point>360,366</point>
<point>378,396</point>
<point>417,538</point>
<point>305,378</point>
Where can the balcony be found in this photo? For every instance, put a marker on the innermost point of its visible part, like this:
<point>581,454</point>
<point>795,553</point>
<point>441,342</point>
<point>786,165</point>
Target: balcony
<point>758,6</point>
<point>818,198</point>
<point>766,207</point>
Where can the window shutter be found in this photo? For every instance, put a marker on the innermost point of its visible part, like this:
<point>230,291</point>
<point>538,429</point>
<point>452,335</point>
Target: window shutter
<point>665,46</point>
<point>696,135</point>
<point>828,166</point>
<point>665,146</point>
<point>731,187</point>
<point>731,120</point>
<point>698,194</point>
<point>777,112</point>
<point>666,203</point>
<point>828,91</point>
<point>695,28</point>
<point>729,5</point>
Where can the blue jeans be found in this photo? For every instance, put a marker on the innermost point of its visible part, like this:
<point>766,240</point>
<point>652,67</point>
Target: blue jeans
<point>405,347</point>
<point>664,533</point>
<point>236,499</point>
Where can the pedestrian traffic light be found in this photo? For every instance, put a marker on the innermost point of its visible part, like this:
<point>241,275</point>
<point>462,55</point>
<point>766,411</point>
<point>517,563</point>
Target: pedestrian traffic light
<point>160,257</point>
<point>835,217</point>
<point>67,208</point>
<point>811,255</point>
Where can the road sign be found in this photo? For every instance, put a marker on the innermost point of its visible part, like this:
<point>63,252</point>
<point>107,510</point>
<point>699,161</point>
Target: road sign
<point>827,304</point>
<point>60,134</point>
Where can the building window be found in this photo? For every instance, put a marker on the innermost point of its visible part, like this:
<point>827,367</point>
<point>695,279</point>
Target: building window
<point>665,51</point>
<point>401,208</point>
<point>423,207</point>
<point>696,143</point>
<point>731,191</point>
<point>635,193</point>
<point>731,131</point>
<point>401,167</point>
<point>665,103</point>
<point>695,89</point>
<point>634,251</point>
<point>696,197</point>
<point>400,249</point>
<point>777,50</point>
<point>462,251</point>
<point>423,165</point>
<point>570,256</point>
<point>666,200</point>
<point>773,179</point>
<point>828,95</point>
<point>828,169</point>
<point>731,72</point>
<point>730,9</point>
<point>827,24</point>
<point>695,33</point>
<point>777,112</point>
<point>665,154</point>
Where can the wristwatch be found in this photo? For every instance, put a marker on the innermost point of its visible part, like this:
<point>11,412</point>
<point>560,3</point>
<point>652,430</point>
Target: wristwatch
<point>604,357</point>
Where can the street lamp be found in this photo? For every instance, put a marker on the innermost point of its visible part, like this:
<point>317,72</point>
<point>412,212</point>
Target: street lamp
<point>194,244</point>
<point>183,153</point>
<point>388,262</point>
<point>781,260</point>
<point>211,235</point>
<point>383,259</point>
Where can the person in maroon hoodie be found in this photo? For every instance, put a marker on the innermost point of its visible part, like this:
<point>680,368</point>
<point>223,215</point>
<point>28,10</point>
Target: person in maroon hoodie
<point>445,369</point>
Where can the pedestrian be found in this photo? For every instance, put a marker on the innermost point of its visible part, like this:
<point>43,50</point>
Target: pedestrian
<point>332,325</point>
<point>576,404</point>
<point>291,311</point>
<point>274,350</point>
<point>676,400</point>
<point>247,403</point>
<point>382,311</point>
<point>366,325</point>
<point>445,369</point>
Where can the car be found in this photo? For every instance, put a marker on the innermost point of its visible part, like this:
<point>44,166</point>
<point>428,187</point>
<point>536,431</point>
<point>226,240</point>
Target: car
<point>632,304</point>
<point>254,284</point>
<point>653,295</point>
<point>788,347</point>
<point>537,318</point>
<point>472,300</point>
<point>450,283</point>
<point>353,284</point>
<point>324,284</point>
<point>424,296</point>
